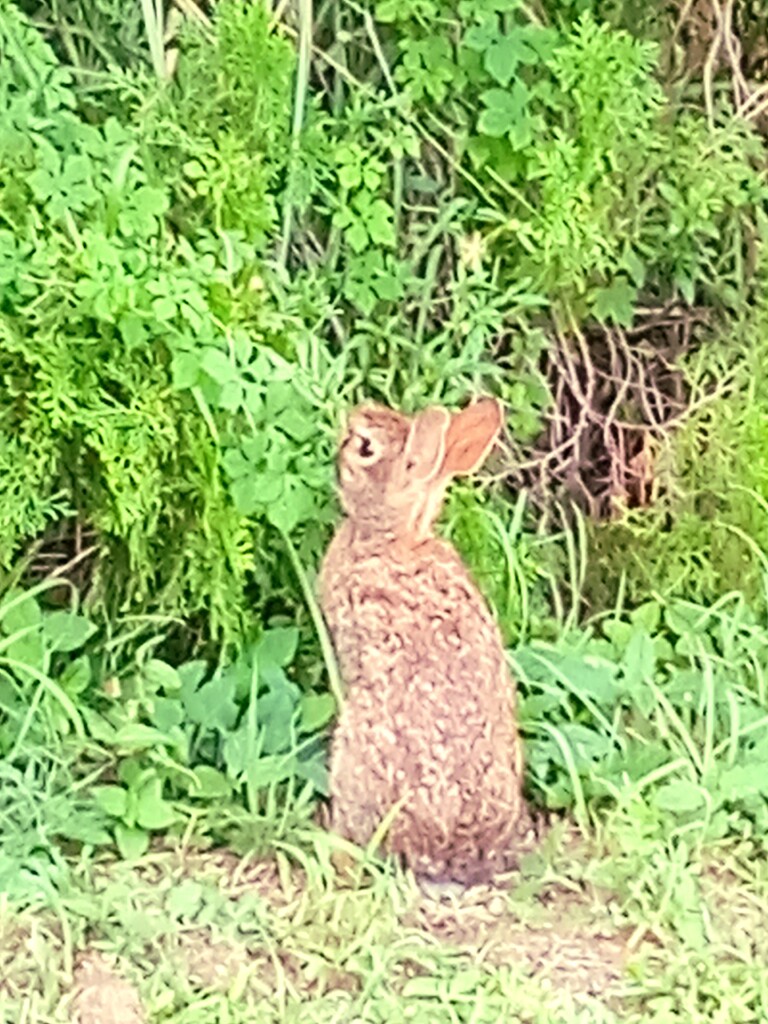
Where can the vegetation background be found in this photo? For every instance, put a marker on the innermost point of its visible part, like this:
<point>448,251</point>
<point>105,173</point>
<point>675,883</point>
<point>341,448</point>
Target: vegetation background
<point>220,226</point>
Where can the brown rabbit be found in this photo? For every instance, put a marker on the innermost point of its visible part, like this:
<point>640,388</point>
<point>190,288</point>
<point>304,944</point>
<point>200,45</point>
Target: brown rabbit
<point>428,725</point>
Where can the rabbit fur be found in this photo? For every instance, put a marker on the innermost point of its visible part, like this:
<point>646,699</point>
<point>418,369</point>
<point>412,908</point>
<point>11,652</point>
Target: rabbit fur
<point>427,733</point>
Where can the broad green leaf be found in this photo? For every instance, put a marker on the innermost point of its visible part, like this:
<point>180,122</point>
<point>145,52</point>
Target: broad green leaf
<point>616,303</point>
<point>235,463</point>
<point>131,842</point>
<point>357,235</point>
<point>680,797</point>
<point>111,799</point>
<point>268,771</point>
<point>279,395</point>
<point>380,223</point>
<point>211,784</point>
<point>17,612</point>
<point>647,615</point>
<point>504,54</point>
<point>76,676</point>
<point>683,618</point>
<point>137,736</point>
<point>298,423</point>
<point>504,110</point>
<point>66,631</point>
<point>743,781</point>
<point>315,770</point>
<point>278,646</point>
<point>133,331</point>
<point>246,495</point>
<point>254,448</point>
<point>480,37</point>
<point>152,811</point>
<point>161,676</point>
<point>232,396</point>
<point>164,308</point>
<point>317,709</point>
<point>166,714</point>
<point>192,673</point>
<point>276,709</point>
<point>639,661</point>
<point>218,365</point>
<point>212,705</point>
<point>185,369</point>
<point>238,751</point>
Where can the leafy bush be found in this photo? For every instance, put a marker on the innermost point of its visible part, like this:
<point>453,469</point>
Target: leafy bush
<point>240,745</point>
<point>138,366</point>
<point>600,188</point>
<point>669,699</point>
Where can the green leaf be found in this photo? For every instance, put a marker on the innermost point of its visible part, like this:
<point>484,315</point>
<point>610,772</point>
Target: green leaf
<point>131,842</point>
<point>298,423</point>
<point>278,646</point>
<point>112,800</point>
<point>279,396</point>
<point>235,463</point>
<point>506,113</point>
<point>647,615</point>
<point>136,736</point>
<point>192,673</point>
<point>211,784</point>
<point>166,714</point>
<point>185,370</point>
<point>246,494</point>
<point>357,235</point>
<point>152,811</point>
<point>504,54</point>
<point>17,613</point>
<point>185,899</point>
<point>680,797</point>
<point>76,676</point>
<point>743,781</point>
<point>616,302</point>
<point>66,631</point>
<point>317,709</point>
<point>161,676</point>
<point>238,751</point>
<point>218,365</point>
<point>268,771</point>
<point>480,37</point>
<point>164,308</point>
<point>212,705</point>
<point>639,661</point>
<point>232,395</point>
<point>254,448</point>
<point>132,329</point>
<point>380,223</point>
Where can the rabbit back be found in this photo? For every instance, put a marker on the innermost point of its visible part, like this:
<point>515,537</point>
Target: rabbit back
<point>429,720</point>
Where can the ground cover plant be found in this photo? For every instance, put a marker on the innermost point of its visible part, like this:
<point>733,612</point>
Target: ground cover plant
<point>219,227</point>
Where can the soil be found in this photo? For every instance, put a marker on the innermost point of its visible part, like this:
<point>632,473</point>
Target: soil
<point>101,995</point>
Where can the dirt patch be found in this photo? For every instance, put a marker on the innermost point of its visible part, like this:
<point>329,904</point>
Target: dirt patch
<point>568,944</point>
<point>101,995</point>
<point>563,938</point>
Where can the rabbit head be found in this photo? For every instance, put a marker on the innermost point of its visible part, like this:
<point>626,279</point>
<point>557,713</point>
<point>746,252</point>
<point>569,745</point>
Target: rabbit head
<point>394,469</point>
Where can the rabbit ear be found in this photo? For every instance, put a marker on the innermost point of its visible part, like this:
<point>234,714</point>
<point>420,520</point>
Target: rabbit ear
<point>425,447</point>
<point>471,435</point>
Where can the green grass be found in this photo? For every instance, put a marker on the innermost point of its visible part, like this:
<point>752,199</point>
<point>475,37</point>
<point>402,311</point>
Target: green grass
<point>613,927</point>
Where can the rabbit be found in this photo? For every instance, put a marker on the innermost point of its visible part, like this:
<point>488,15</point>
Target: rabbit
<point>427,734</point>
